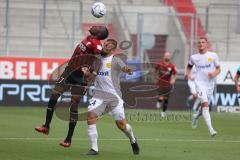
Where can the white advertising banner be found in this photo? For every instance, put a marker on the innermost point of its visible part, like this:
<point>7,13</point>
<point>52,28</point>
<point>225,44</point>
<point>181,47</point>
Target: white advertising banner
<point>228,71</point>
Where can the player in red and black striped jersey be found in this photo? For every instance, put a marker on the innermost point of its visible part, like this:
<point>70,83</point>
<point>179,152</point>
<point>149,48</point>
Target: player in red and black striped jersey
<point>166,73</point>
<point>72,78</point>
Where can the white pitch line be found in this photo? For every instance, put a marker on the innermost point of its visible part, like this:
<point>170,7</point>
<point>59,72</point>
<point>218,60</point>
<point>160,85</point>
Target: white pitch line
<point>140,139</point>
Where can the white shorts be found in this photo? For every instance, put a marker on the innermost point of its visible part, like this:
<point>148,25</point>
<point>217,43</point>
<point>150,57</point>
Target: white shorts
<point>113,107</point>
<point>204,93</point>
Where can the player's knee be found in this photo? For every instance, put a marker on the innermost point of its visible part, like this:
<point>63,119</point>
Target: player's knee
<point>204,104</point>
<point>55,95</point>
<point>75,99</point>
<point>58,90</point>
<point>121,125</point>
<point>91,118</point>
<point>161,98</point>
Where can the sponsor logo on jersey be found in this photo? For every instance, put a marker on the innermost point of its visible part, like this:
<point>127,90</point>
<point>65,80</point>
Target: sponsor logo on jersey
<point>210,59</point>
<point>103,73</point>
<point>203,67</point>
<point>108,65</point>
<point>82,47</point>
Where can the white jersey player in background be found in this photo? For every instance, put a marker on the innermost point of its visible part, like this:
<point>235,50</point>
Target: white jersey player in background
<point>207,67</point>
<point>193,90</point>
<point>107,97</point>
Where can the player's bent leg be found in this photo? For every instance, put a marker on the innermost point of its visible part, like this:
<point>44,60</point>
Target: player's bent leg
<point>207,118</point>
<point>127,129</point>
<point>195,117</point>
<point>164,105</point>
<point>49,113</point>
<point>92,133</point>
<point>159,102</point>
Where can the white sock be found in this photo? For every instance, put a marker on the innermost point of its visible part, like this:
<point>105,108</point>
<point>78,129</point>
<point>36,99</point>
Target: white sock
<point>207,118</point>
<point>129,133</point>
<point>93,136</point>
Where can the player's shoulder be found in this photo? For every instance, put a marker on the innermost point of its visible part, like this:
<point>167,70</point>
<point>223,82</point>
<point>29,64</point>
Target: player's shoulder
<point>212,53</point>
<point>121,56</point>
<point>96,41</point>
<point>171,65</point>
<point>194,56</point>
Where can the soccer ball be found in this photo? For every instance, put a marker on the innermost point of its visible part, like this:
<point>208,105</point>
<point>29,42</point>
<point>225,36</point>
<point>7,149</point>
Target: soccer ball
<point>98,9</point>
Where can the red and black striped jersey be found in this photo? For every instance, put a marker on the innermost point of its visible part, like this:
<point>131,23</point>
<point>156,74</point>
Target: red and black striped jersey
<point>88,46</point>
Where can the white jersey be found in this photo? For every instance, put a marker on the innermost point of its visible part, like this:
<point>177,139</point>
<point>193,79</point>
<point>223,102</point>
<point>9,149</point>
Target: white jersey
<point>108,79</point>
<point>204,64</point>
<point>107,93</point>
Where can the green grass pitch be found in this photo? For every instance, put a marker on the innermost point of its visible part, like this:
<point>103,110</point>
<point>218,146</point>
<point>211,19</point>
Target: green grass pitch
<point>159,139</point>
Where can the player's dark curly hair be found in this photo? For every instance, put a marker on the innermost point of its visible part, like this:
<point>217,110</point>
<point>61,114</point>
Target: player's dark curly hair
<point>103,33</point>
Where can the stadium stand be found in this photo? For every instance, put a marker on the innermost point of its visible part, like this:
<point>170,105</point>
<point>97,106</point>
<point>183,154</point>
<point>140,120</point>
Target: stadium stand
<point>186,6</point>
<point>57,33</point>
<point>221,20</point>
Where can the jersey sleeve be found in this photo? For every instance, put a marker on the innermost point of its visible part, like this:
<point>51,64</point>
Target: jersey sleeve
<point>190,62</point>
<point>97,47</point>
<point>119,62</point>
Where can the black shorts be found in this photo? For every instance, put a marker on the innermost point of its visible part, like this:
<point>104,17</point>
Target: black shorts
<point>71,80</point>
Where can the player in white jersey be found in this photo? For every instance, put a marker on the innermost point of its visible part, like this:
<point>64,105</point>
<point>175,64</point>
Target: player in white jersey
<point>194,96</point>
<point>107,97</point>
<point>207,67</point>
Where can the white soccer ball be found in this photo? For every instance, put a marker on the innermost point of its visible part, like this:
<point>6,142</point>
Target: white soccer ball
<point>98,9</point>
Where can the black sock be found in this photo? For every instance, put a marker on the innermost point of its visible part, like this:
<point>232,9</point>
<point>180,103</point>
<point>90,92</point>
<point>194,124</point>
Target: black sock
<point>71,128</point>
<point>72,125</point>
<point>73,119</point>
<point>50,109</point>
<point>165,104</point>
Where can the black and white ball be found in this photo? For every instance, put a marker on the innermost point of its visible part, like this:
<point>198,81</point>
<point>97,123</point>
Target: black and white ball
<point>98,9</point>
